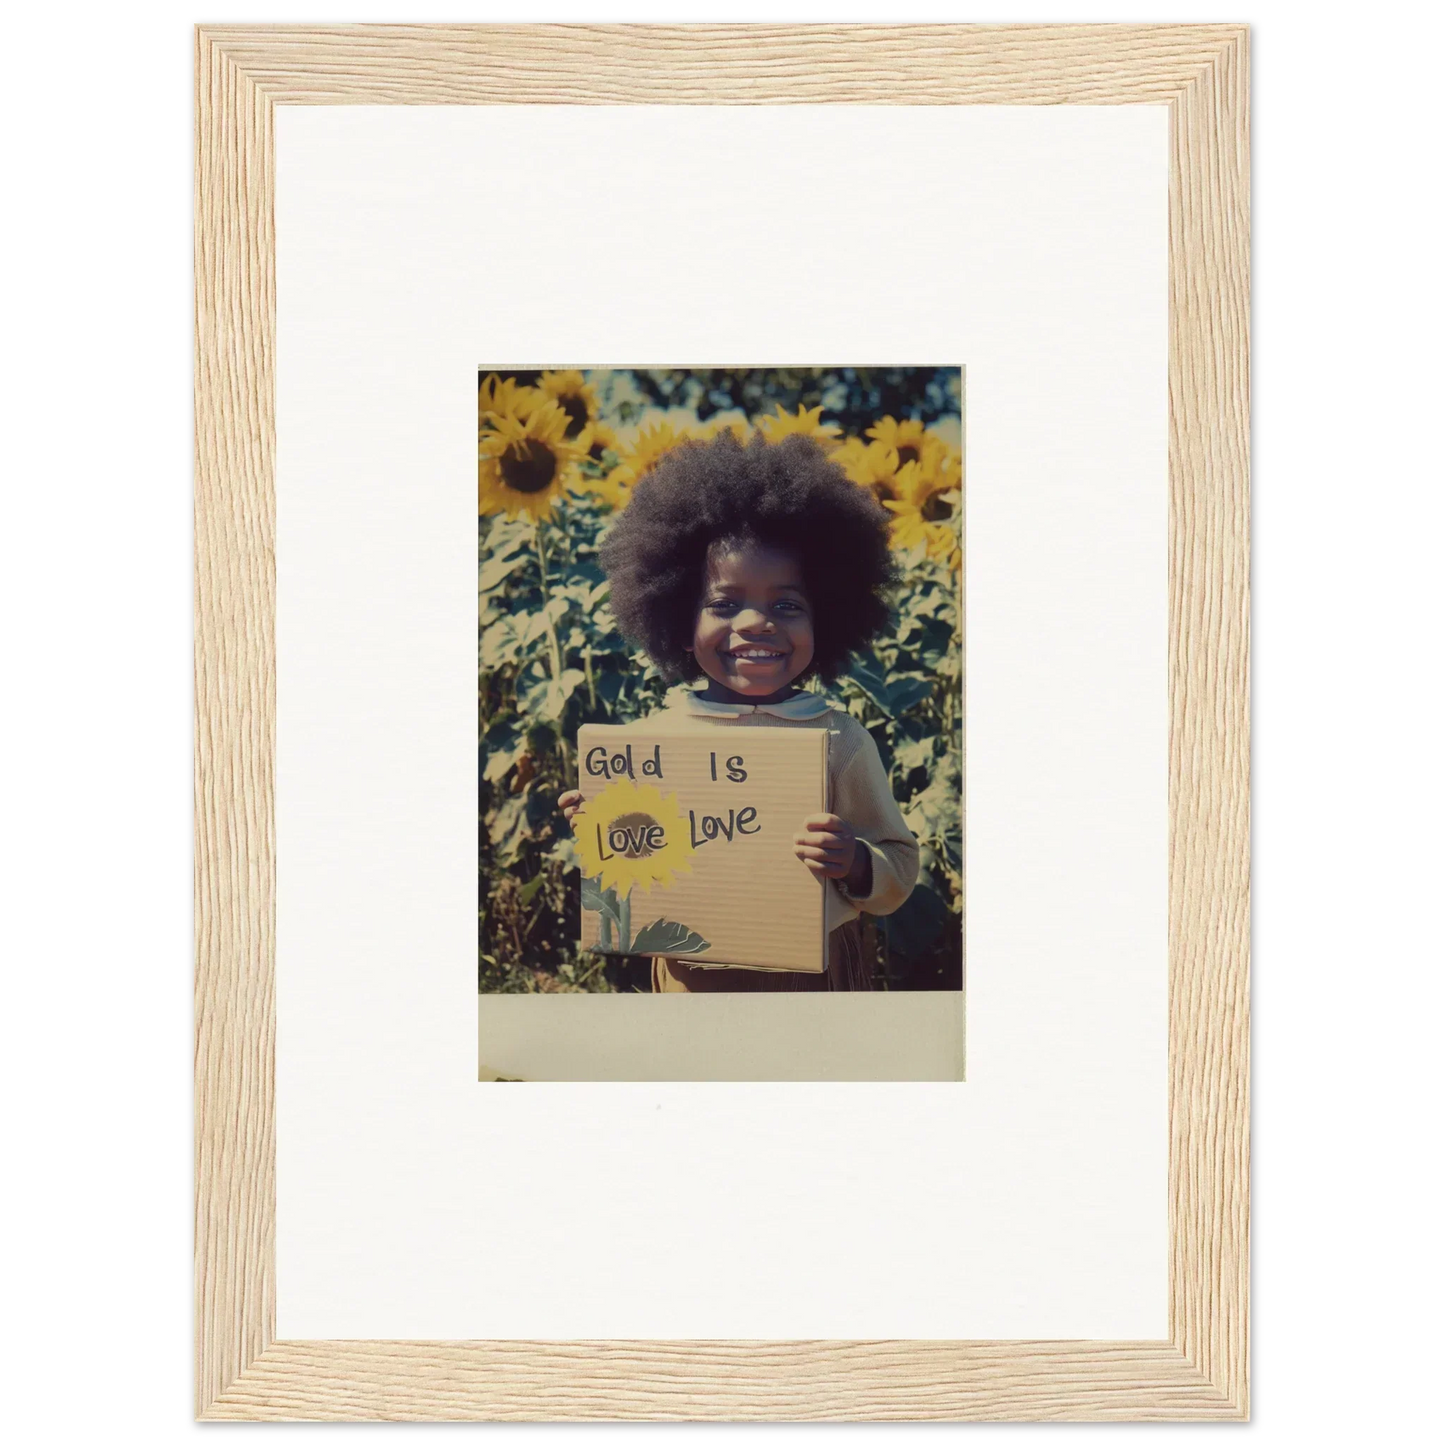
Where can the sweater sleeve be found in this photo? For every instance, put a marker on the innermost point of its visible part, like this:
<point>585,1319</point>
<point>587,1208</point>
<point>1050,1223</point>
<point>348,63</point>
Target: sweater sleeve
<point>862,797</point>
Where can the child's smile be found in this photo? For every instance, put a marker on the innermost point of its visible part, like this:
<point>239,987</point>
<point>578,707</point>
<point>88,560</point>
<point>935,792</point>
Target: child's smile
<point>754,631</point>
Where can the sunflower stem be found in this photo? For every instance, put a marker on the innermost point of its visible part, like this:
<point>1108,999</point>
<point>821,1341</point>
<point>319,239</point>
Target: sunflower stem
<point>554,651</point>
<point>624,921</point>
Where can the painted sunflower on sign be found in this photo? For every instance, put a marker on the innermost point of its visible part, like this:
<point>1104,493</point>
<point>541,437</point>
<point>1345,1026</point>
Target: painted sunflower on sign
<point>808,423</point>
<point>524,462</point>
<point>632,836</point>
<point>569,389</point>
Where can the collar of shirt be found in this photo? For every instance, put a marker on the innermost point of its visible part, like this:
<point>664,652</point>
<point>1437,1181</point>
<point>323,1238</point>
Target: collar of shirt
<point>805,705</point>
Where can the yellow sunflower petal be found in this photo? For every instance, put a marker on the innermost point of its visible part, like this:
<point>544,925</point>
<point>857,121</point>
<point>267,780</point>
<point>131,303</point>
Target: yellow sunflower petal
<point>650,445</point>
<point>571,392</point>
<point>525,462</point>
<point>807,423</point>
<point>502,396</point>
<point>911,441</point>
<point>871,465</point>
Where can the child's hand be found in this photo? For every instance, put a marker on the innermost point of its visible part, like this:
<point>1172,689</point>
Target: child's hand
<point>830,849</point>
<point>569,803</point>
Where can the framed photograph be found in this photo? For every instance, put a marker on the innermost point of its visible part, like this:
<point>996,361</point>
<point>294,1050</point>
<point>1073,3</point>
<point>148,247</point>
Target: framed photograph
<point>672,797</point>
<point>859,730</point>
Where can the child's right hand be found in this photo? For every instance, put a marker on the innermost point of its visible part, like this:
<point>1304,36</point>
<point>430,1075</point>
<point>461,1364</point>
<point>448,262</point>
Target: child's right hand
<point>569,803</point>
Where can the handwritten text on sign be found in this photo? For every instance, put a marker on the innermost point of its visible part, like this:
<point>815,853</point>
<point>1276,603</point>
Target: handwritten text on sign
<point>657,800</point>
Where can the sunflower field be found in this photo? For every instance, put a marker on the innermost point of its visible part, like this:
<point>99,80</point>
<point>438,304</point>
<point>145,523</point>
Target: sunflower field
<point>558,455</point>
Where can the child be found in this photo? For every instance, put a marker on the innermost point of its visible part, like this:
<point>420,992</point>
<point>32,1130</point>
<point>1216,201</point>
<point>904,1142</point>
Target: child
<point>753,567</point>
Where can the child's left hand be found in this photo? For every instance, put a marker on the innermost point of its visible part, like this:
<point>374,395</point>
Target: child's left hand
<point>830,848</point>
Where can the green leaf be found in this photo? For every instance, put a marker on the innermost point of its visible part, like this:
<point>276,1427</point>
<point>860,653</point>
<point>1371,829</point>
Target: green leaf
<point>499,763</point>
<point>595,900</point>
<point>499,644</point>
<point>532,626</point>
<point>528,890</point>
<point>541,809</point>
<point>496,570</point>
<point>907,692</point>
<point>915,754</point>
<point>506,830</point>
<point>555,696</point>
<point>914,926</point>
<point>874,683</point>
<point>664,936</point>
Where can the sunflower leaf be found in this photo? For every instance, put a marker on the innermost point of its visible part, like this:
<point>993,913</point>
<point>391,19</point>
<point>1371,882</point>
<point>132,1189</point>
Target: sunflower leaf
<point>906,692</point>
<point>499,763</point>
<point>497,570</point>
<point>873,683</point>
<point>664,936</point>
<point>499,644</point>
<point>915,754</point>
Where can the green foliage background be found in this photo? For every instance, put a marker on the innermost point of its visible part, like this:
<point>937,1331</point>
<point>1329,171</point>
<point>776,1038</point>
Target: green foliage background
<point>550,658</point>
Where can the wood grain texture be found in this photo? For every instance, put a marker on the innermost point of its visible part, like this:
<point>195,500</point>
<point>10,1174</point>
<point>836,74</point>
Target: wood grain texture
<point>723,64</point>
<point>1202,1370</point>
<point>1209,722</point>
<point>720,1380</point>
<point>235,606</point>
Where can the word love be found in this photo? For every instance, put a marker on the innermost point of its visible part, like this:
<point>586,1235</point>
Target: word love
<point>742,820</point>
<point>618,765</point>
<point>631,841</point>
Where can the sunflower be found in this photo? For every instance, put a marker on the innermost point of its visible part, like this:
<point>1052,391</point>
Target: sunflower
<point>502,396</point>
<point>909,440</point>
<point>929,511</point>
<point>632,836</point>
<point>569,389</point>
<point>651,444</point>
<point>871,465</point>
<point>595,439</point>
<point>524,462</point>
<point>808,423</point>
<point>734,421</point>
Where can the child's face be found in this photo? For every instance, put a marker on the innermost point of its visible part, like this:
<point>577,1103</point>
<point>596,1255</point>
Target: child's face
<point>754,631</point>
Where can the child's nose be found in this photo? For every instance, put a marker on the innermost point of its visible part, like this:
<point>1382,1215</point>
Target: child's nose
<point>754,621</point>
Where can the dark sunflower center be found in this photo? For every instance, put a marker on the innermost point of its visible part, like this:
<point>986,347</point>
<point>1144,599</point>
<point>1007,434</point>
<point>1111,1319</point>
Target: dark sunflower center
<point>576,410</point>
<point>884,491</point>
<point>907,454</point>
<point>936,509</point>
<point>528,466</point>
<point>631,835</point>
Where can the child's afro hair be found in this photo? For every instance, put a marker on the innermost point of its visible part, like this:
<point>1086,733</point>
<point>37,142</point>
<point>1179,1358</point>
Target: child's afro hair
<point>784,494</point>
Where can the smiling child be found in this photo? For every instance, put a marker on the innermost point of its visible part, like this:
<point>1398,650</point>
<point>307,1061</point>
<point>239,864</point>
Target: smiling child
<point>749,569</point>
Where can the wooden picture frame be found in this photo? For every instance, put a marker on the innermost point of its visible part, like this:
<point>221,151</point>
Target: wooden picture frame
<point>1201,1371</point>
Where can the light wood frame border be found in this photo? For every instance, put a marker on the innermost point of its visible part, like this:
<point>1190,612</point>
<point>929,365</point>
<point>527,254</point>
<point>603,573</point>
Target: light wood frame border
<point>1201,1371</point>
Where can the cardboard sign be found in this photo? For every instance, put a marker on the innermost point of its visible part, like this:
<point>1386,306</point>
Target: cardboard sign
<point>686,841</point>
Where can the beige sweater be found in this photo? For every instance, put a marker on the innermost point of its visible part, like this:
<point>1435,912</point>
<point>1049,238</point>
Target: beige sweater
<point>858,790</point>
